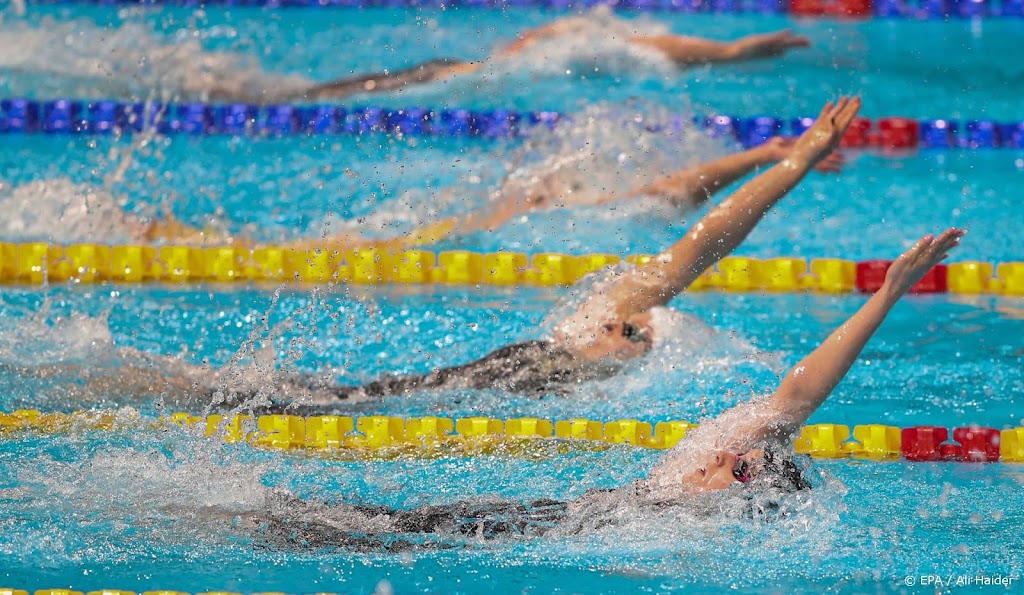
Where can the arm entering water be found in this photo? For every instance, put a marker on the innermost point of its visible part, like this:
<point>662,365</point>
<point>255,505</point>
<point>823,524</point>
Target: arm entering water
<point>729,223</point>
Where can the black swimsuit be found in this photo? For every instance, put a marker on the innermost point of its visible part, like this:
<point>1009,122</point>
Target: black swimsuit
<point>532,367</point>
<point>535,368</point>
<point>302,524</point>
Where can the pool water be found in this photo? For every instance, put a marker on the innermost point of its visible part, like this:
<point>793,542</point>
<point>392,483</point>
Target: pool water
<point>280,189</point>
<point>144,509</point>
<point>958,69</point>
<point>130,508</point>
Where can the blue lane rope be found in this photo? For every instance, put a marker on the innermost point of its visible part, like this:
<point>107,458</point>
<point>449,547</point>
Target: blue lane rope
<point>924,9</point>
<point>64,116</point>
<point>893,9</point>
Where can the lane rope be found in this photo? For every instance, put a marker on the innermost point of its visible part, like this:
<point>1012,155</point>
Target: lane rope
<point>70,117</point>
<point>858,9</point>
<point>40,263</point>
<point>335,432</point>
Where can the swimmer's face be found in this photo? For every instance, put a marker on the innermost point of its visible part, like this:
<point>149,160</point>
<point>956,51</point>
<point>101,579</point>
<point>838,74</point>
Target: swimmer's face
<point>551,191</point>
<point>538,198</point>
<point>721,469</point>
<point>623,340</point>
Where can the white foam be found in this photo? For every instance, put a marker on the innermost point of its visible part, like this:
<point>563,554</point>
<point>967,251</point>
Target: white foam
<point>129,61</point>
<point>594,43</point>
<point>605,149</point>
<point>60,210</point>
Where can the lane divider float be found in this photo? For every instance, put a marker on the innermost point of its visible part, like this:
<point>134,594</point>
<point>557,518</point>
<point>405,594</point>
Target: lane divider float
<point>336,432</point>
<point>66,116</point>
<point>859,9</point>
<point>37,263</point>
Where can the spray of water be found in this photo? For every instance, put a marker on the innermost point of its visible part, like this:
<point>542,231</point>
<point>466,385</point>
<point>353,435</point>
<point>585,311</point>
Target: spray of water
<point>604,151</point>
<point>595,44</point>
<point>54,359</point>
<point>36,211</point>
<point>80,59</point>
<point>131,61</point>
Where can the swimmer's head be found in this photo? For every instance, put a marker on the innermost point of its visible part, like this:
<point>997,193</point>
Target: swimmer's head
<point>721,469</point>
<point>622,340</point>
<point>551,191</point>
<point>637,335</point>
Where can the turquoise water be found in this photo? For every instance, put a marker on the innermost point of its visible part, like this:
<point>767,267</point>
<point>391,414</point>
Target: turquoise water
<point>280,189</point>
<point>132,509</point>
<point>147,510</point>
<point>959,69</point>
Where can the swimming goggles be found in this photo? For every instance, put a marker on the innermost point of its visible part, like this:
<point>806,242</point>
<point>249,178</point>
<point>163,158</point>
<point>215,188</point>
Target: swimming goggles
<point>741,471</point>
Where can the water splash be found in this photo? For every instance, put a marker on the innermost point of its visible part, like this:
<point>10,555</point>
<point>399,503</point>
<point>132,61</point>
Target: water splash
<point>111,207</point>
<point>60,210</point>
<point>130,61</point>
<point>53,359</point>
<point>180,500</point>
<point>593,45</point>
<point>605,151</point>
<point>40,337</point>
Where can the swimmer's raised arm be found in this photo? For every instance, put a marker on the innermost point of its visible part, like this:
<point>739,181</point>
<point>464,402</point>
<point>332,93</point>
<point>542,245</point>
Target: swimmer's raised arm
<point>812,380</point>
<point>729,223</point>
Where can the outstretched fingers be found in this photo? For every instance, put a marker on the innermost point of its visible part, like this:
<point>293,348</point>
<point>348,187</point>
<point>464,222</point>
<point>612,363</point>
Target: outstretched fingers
<point>838,108</point>
<point>826,112</point>
<point>946,241</point>
<point>931,250</point>
<point>848,113</point>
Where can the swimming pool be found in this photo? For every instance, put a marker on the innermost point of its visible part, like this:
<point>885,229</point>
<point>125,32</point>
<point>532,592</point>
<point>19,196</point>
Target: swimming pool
<point>142,510</point>
<point>914,69</point>
<point>129,508</point>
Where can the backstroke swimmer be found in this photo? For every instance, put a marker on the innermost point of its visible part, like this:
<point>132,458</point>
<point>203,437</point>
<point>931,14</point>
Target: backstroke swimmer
<point>619,320</point>
<point>682,51</point>
<point>684,190</point>
<point>743,449</point>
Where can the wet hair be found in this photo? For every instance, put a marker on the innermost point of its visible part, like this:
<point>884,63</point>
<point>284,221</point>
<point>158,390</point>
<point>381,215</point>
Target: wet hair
<point>768,496</point>
<point>783,473</point>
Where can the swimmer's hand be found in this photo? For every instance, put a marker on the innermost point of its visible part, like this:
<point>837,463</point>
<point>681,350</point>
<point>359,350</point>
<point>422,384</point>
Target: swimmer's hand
<point>929,251</point>
<point>767,45</point>
<point>780,147</point>
<point>822,138</point>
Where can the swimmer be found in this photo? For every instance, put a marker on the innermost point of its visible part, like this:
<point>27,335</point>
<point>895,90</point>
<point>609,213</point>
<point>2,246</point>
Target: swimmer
<point>680,50</point>
<point>744,450</point>
<point>684,190</point>
<point>618,320</point>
